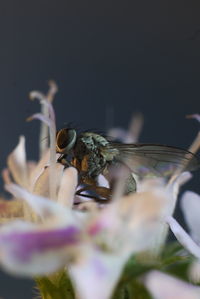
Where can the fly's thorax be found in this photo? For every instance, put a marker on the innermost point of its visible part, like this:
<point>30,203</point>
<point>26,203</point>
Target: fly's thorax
<point>88,153</point>
<point>93,140</point>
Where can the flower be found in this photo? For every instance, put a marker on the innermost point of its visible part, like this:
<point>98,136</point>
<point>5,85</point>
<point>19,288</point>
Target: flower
<point>44,231</point>
<point>163,286</point>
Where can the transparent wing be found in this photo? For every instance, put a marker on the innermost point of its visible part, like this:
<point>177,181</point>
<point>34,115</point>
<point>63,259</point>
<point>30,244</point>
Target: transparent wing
<point>149,160</point>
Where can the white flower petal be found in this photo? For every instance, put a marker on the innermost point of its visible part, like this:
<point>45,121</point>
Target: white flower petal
<point>17,164</point>
<point>135,222</point>
<point>163,286</point>
<point>68,187</point>
<point>42,184</point>
<point>190,204</point>
<point>174,185</point>
<point>39,168</point>
<point>183,237</point>
<point>43,207</point>
<point>96,273</point>
<point>49,120</point>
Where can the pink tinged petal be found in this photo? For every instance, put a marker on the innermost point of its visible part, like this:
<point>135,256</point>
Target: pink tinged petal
<point>39,168</point>
<point>6,176</point>
<point>43,141</point>
<point>43,207</point>
<point>17,163</point>
<point>40,117</point>
<point>164,286</point>
<point>47,114</point>
<point>50,121</point>
<point>183,237</point>
<point>68,187</point>
<point>46,100</point>
<point>42,184</point>
<point>53,89</point>
<point>190,204</point>
<point>29,251</point>
<point>96,274</point>
<point>140,215</point>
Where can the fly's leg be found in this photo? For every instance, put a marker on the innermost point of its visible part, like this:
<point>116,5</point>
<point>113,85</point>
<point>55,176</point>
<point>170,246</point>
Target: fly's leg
<point>103,193</point>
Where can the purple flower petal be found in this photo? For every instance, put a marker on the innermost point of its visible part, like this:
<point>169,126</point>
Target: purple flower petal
<point>22,245</point>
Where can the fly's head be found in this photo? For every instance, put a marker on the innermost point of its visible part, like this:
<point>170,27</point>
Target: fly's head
<point>65,142</point>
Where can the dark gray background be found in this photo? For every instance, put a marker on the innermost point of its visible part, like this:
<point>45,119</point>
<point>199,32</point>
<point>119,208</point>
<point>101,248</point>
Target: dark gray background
<point>130,55</point>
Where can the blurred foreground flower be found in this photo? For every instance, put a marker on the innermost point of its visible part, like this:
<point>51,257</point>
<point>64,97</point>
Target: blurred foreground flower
<point>89,250</point>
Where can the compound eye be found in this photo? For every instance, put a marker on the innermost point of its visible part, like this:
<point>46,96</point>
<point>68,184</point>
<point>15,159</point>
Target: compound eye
<point>65,140</point>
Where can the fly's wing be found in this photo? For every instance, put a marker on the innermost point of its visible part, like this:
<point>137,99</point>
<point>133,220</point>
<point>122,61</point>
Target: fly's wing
<point>150,160</point>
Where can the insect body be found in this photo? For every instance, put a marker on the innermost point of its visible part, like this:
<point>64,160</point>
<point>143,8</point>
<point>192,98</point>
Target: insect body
<point>92,154</point>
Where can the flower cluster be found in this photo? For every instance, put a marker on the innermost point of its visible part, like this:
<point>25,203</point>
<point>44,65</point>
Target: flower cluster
<point>89,250</point>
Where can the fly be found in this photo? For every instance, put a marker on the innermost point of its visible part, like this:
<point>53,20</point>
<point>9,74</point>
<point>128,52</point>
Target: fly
<point>92,154</point>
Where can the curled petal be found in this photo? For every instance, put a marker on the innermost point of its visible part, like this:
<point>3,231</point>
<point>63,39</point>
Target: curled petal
<point>40,117</point>
<point>47,111</point>
<point>36,95</point>
<point>52,90</point>
<point>190,204</point>
<point>49,120</point>
<point>163,286</point>
<point>26,250</point>
<point>183,237</point>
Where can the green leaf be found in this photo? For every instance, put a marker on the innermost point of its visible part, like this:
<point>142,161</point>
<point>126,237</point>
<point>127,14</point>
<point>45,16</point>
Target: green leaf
<point>56,286</point>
